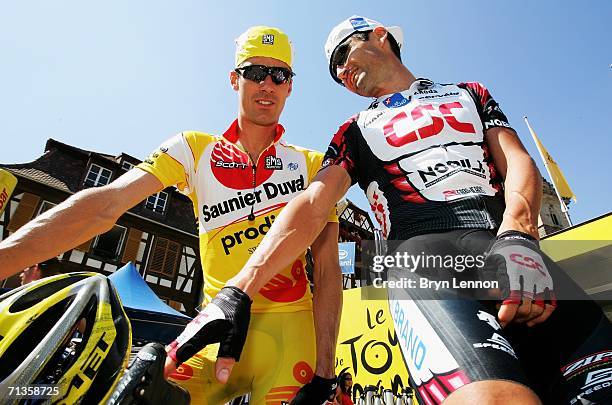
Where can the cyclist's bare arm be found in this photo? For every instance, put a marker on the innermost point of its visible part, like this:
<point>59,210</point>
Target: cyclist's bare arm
<point>523,194</point>
<point>297,226</point>
<point>84,215</point>
<point>327,298</point>
<point>522,181</point>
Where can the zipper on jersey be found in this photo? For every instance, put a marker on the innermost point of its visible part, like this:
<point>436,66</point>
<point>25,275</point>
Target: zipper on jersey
<point>251,216</point>
<point>254,164</point>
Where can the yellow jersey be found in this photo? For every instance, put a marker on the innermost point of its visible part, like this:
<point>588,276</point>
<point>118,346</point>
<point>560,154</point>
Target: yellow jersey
<point>236,201</point>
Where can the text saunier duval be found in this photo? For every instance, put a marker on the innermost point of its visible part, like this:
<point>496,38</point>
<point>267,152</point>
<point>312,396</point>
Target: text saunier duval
<point>421,263</point>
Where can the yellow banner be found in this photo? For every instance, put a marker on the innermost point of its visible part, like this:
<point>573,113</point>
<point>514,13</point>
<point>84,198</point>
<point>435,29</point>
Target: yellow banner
<point>583,239</point>
<point>7,186</point>
<point>367,344</point>
<point>555,171</point>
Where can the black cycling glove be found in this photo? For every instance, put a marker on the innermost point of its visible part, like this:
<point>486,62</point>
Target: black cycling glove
<point>225,319</point>
<point>519,263</point>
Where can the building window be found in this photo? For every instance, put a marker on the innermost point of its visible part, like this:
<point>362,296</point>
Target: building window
<point>97,176</point>
<point>108,245</point>
<point>45,206</point>
<point>164,257</point>
<point>157,202</point>
<point>553,216</point>
<point>127,166</point>
<point>555,219</point>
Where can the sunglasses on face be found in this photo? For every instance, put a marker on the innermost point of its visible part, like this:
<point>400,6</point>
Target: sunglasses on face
<point>258,73</point>
<point>341,54</point>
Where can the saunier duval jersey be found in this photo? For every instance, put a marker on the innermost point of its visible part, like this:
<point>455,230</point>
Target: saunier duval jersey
<point>271,190</point>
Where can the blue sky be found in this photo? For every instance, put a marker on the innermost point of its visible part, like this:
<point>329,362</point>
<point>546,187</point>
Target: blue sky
<point>122,76</point>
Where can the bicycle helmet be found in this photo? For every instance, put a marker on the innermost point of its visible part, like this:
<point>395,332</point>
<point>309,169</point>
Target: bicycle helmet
<point>67,331</point>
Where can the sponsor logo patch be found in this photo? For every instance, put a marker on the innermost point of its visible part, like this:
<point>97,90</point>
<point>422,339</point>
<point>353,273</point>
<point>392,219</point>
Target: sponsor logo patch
<point>230,165</point>
<point>270,190</point>
<point>598,377</point>
<point>460,192</point>
<point>273,163</point>
<point>595,381</point>
<point>267,39</point>
<point>488,318</point>
<point>396,100</point>
<point>496,122</point>
<point>228,156</point>
<point>497,342</point>
<point>359,23</point>
<point>251,233</point>
<point>586,362</point>
<point>373,119</point>
<point>435,173</point>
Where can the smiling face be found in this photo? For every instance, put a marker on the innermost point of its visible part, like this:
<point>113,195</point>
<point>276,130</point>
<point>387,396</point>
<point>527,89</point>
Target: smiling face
<point>261,102</point>
<point>364,70</point>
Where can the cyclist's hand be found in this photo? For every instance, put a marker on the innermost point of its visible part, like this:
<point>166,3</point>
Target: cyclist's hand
<point>316,392</point>
<point>526,284</point>
<point>224,320</point>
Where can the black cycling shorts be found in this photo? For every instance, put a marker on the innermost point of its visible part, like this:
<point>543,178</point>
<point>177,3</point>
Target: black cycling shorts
<point>447,343</point>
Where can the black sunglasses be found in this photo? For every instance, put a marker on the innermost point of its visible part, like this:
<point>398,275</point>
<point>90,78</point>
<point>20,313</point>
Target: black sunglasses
<point>258,73</point>
<point>341,54</point>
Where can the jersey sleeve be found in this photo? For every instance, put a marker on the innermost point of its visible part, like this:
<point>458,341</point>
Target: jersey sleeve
<point>491,114</point>
<point>172,163</point>
<point>314,165</point>
<point>342,150</point>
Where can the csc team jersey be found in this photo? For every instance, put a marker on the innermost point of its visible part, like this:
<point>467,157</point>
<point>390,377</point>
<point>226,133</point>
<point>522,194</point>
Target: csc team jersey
<point>421,158</point>
<point>236,202</point>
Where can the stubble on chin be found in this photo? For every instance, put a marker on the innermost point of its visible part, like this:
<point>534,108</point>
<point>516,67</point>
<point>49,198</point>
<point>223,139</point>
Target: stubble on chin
<point>362,85</point>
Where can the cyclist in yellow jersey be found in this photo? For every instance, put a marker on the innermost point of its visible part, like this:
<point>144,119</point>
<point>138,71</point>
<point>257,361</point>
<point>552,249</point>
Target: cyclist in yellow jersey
<point>238,181</point>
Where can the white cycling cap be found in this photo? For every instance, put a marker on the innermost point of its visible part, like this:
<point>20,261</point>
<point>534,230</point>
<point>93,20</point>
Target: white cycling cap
<point>347,28</point>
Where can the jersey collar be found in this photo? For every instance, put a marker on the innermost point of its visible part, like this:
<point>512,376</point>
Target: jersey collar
<point>231,134</point>
<point>418,84</point>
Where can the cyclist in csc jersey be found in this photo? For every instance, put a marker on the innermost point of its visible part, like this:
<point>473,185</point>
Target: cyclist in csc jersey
<point>239,182</point>
<point>445,173</point>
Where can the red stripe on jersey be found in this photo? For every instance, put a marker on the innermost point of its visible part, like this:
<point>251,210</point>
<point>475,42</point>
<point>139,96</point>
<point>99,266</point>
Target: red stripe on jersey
<point>480,89</point>
<point>402,184</point>
<point>413,198</point>
<point>393,169</point>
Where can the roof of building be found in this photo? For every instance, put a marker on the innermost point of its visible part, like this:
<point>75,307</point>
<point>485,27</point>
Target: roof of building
<point>63,167</point>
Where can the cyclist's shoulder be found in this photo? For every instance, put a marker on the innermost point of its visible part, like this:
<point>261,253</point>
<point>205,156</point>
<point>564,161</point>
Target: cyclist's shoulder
<point>310,154</point>
<point>474,86</point>
<point>194,141</point>
<point>200,136</point>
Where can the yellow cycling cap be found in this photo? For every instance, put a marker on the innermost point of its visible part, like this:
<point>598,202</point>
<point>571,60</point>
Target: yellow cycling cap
<point>264,41</point>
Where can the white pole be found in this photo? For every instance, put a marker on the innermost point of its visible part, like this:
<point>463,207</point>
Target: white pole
<point>563,206</point>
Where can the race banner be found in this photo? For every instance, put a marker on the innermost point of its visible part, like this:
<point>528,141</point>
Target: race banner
<point>368,345</point>
<point>7,186</point>
<point>346,255</point>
